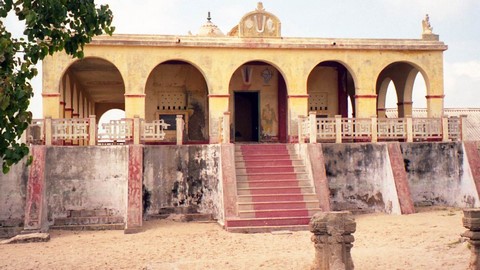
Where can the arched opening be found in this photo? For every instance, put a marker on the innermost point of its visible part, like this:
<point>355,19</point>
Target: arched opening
<point>178,88</point>
<point>258,100</point>
<point>106,117</point>
<point>404,77</point>
<point>91,86</point>
<point>330,86</point>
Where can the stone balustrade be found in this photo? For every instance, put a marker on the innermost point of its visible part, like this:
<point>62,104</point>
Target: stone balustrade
<point>338,129</point>
<point>83,131</point>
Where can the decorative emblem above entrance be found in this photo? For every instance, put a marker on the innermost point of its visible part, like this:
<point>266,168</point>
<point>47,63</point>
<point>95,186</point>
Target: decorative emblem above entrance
<point>259,23</point>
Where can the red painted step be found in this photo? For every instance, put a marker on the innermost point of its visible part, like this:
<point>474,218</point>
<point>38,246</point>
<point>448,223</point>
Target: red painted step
<point>266,163</point>
<point>274,213</point>
<point>279,221</point>
<point>274,190</point>
<point>272,183</point>
<point>275,197</point>
<point>264,157</point>
<point>245,206</point>
<point>271,176</point>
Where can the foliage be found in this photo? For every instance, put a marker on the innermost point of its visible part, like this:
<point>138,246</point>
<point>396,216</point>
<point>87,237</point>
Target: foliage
<point>50,26</point>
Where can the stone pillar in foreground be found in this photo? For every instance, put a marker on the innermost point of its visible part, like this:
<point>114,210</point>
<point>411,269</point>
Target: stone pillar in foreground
<point>471,221</point>
<point>332,237</point>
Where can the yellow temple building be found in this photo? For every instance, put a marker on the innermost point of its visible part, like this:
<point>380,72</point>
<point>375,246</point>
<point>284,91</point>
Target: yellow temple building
<point>262,80</point>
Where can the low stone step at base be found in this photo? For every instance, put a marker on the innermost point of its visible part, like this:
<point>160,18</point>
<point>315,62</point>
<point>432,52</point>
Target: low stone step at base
<point>89,227</point>
<point>8,232</point>
<point>272,221</point>
<point>268,229</point>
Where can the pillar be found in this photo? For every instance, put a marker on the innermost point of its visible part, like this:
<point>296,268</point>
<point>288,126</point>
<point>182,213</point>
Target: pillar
<point>135,105</point>
<point>471,221</point>
<point>134,218</point>
<point>365,105</point>
<point>51,105</point>
<point>35,207</point>
<point>218,105</point>
<point>435,105</point>
<point>332,238</point>
<point>297,106</point>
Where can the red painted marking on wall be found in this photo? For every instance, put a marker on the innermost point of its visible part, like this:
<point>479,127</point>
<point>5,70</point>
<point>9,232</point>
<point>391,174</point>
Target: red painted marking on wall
<point>473,157</point>
<point>35,189</point>
<point>135,176</point>
<point>401,180</point>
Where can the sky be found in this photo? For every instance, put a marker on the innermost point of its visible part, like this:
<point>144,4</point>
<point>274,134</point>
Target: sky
<point>456,21</point>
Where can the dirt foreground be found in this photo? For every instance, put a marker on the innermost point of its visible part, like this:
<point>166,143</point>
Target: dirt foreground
<point>426,240</point>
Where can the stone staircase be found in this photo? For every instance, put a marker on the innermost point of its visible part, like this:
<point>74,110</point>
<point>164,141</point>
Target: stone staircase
<point>98,219</point>
<point>273,190</point>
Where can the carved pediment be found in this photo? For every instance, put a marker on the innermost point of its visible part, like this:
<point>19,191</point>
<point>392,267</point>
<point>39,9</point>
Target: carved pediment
<point>259,23</point>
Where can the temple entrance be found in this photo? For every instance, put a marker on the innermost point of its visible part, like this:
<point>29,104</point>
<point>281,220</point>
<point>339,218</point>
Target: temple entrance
<point>246,116</point>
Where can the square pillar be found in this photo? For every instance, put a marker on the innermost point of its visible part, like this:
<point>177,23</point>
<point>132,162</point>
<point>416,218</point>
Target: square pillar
<point>218,105</point>
<point>297,106</point>
<point>51,105</point>
<point>35,206</point>
<point>135,105</point>
<point>366,106</point>
<point>133,222</point>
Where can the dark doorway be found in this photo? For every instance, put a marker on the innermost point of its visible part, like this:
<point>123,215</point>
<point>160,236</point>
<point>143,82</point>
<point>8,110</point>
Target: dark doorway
<point>246,116</point>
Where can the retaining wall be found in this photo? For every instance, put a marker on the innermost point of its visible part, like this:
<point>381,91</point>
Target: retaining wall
<point>360,177</point>
<point>13,188</point>
<point>86,178</point>
<point>439,174</point>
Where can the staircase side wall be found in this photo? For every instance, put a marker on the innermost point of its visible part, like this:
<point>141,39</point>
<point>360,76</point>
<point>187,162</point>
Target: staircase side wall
<point>182,178</point>
<point>439,174</point>
<point>86,178</point>
<point>360,177</point>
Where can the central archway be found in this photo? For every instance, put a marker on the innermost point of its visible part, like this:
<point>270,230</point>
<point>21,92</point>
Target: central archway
<point>258,100</point>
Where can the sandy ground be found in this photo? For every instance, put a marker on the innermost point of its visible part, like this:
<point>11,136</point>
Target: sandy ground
<point>426,240</point>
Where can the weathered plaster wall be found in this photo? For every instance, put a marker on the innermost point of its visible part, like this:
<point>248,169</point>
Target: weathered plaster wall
<point>86,178</point>
<point>13,188</point>
<point>439,174</point>
<point>360,177</point>
<point>183,176</point>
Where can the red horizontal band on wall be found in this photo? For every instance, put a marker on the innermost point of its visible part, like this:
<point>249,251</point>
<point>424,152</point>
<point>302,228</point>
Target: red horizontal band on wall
<point>219,96</point>
<point>435,96</point>
<point>298,96</point>
<point>135,95</point>
<point>404,103</point>
<point>62,103</point>
<point>382,109</point>
<point>50,94</point>
<point>365,96</point>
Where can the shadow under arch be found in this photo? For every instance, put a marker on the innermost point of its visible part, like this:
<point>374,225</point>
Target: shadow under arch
<point>329,85</point>
<point>258,102</point>
<point>177,87</point>
<point>91,86</point>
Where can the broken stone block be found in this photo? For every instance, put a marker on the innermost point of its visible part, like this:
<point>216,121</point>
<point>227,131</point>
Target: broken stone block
<point>28,238</point>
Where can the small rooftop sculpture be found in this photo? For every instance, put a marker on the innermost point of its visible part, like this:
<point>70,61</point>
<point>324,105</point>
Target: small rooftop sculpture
<point>427,28</point>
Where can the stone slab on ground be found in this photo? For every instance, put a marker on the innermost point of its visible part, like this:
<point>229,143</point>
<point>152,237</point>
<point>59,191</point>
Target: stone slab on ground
<point>27,238</point>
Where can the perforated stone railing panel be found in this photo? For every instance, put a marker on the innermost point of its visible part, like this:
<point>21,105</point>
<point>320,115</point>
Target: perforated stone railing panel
<point>326,129</point>
<point>35,133</point>
<point>154,131</point>
<point>356,128</point>
<point>116,131</point>
<point>454,128</point>
<point>391,128</point>
<point>427,128</point>
<point>70,129</point>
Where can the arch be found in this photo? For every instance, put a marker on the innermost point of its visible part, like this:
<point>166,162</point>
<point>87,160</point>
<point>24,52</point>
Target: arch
<point>179,87</point>
<point>345,65</point>
<point>259,60</point>
<point>93,80</point>
<point>382,97</point>
<point>258,102</point>
<point>403,75</point>
<point>329,84</point>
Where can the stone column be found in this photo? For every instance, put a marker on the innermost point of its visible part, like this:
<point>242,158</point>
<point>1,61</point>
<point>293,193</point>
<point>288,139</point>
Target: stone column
<point>471,221</point>
<point>134,217</point>
<point>332,237</point>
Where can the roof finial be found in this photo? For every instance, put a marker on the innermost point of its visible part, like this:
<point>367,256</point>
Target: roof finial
<point>209,17</point>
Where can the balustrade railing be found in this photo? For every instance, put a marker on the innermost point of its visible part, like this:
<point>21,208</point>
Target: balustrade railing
<point>379,129</point>
<point>154,131</point>
<point>116,132</point>
<point>70,129</point>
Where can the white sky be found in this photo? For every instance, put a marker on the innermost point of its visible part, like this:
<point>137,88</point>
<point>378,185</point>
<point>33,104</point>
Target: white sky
<point>456,21</point>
